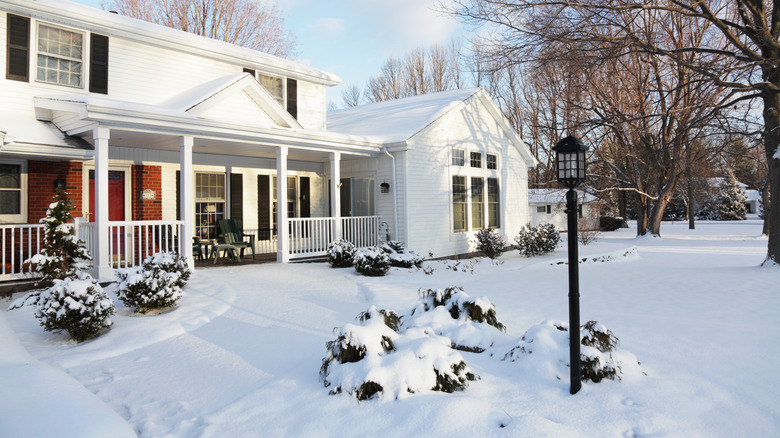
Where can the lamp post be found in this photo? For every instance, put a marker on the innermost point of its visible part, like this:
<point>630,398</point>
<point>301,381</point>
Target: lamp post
<point>570,171</point>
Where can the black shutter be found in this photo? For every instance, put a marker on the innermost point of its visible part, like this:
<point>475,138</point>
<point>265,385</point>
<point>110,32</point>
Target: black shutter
<point>346,197</point>
<point>18,50</point>
<point>98,64</point>
<point>305,184</point>
<point>292,97</point>
<point>237,196</point>
<point>264,206</point>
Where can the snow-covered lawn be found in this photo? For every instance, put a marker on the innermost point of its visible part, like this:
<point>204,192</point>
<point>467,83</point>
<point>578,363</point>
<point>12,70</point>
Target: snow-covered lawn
<point>240,354</point>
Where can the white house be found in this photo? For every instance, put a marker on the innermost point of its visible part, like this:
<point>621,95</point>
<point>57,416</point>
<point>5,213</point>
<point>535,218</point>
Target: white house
<point>548,206</point>
<point>157,134</point>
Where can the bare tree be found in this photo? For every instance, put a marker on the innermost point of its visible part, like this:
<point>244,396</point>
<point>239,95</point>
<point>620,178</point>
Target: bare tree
<point>739,49</point>
<point>351,95</point>
<point>248,23</point>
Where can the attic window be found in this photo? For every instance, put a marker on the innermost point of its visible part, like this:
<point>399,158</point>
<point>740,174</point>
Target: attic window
<point>458,157</point>
<point>492,161</point>
<point>274,85</point>
<point>60,56</point>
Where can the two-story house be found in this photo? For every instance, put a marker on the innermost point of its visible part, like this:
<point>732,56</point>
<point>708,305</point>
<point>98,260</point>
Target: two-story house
<point>157,134</point>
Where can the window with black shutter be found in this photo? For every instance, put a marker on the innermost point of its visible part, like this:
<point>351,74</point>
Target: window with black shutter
<point>292,97</point>
<point>98,64</point>
<point>18,50</point>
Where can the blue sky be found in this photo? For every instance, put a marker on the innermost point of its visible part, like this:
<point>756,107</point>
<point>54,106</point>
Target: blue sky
<point>353,38</point>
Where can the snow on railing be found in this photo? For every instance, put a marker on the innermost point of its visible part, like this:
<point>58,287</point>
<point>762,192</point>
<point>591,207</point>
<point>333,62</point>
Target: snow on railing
<point>129,242</point>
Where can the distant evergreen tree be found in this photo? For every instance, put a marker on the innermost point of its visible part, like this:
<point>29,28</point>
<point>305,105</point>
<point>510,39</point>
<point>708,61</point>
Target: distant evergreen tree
<point>731,200</point>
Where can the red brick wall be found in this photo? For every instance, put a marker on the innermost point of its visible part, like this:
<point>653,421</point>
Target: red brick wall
<point>147,177</point>
<point>40,186</point>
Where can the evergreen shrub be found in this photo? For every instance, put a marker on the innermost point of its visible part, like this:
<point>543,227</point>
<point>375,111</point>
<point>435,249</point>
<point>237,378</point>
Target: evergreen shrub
<point>537,240</point>
<point>156,284</point>
<point>399,256</point>
<point>490,243</point>
<point>341,253</point>
<point>76,304</point>
<point>371,262</point>
<point>610,223</point>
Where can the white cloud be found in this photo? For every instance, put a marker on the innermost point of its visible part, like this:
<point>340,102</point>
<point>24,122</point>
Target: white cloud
<point>327,27</point>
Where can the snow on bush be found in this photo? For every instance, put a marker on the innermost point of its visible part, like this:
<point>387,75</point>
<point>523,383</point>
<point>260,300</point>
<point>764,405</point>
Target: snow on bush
<point>731,200</point>
<point>341,253</point>
<point>156,284</point>
<point>470,323</point>
<point>537,240</point>
<point>490,243</point>
<point>374,360</point>
<point>76,304</point>
<point>543,353</point>
<point>371,262</point>
<point>399,256</point>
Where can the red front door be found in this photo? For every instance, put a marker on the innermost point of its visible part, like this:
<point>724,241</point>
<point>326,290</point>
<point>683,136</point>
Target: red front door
<point>116,195</point>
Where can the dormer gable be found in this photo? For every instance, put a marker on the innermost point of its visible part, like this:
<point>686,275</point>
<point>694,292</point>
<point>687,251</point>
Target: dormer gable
<point>237,99</point>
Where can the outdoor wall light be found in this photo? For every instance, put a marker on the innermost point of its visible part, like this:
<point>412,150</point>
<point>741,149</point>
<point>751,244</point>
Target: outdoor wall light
<point>570,171</point>
<point>384,187</point>
<point>59,184</point>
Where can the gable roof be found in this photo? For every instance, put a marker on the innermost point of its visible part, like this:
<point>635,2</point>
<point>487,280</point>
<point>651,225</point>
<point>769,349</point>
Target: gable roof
<point>397,121</point>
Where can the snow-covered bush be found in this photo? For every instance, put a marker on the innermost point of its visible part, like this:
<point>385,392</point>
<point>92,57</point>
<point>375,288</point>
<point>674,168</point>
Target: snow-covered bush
<point>373,359</point>
<point>76,304</point>
<point>537,240</point>
<point>544,351</point>
<point>372,262</point>
<point>341,253</point>
<point>399,256</point>
<point>731,200</point>
<point>62,254</point>
<point>156,284</point>
<point>490,243</point>
<point>470,323</point>
<point>610,223</point>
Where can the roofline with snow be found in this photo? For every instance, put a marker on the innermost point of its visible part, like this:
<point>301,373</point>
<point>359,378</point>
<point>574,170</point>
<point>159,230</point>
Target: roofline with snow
<point>84,17</point>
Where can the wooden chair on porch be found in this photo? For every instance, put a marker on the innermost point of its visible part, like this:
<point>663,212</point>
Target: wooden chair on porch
<point>232,233</point>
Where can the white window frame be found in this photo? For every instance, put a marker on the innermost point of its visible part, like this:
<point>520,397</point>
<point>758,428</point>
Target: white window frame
<point>461,161</point>
<point>82,60</point>
<point>22,216</point>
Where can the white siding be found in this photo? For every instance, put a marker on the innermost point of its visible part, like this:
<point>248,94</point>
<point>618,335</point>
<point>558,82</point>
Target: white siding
<point>429,212</point>
<point>311,105</point>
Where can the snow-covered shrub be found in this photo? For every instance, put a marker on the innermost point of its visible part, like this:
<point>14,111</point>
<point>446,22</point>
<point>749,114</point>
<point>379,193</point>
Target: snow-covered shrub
<point>372,262</point>
<point>544,350</point>
<point>341,253</point>
<point>537,240</point>
<point>490,243</point>
<point>610,223</point>
<point>156,284</point>
<point>399,256</point>
<point>372,359</point>
<point>76,304</point>
<point>470,323</point>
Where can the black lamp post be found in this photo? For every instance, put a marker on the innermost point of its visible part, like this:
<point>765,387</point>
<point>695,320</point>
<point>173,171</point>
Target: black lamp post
<point>570,171</point>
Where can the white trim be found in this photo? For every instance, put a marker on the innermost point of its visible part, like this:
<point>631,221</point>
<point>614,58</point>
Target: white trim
<point>22,216</point>
<point>128,171</point>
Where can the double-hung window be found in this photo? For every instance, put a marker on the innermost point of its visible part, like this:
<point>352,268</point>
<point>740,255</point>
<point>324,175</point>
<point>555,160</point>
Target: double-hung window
<point>60,57</point>
<point>210,199</point>
<point>12,188</point>
<point>459,195</point>
<point>493,203</point>
<point>284,91</point>
<point>477,203</point>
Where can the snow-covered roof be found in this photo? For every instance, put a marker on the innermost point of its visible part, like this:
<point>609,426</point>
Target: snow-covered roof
<point>396,120</point>
<point>556,196</point>
<point>753,195</point>
<point>19,131</point>
<point>85,17</point>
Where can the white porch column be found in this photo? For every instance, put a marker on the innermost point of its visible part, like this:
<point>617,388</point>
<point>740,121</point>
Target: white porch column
<point>186,199</point>
<point>102,256</point>
<point>283,232</point>
<point>335,193</point>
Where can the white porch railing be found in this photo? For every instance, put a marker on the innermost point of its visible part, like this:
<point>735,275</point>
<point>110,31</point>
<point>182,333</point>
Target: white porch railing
<point>130,242</point>
<point>17,244</point>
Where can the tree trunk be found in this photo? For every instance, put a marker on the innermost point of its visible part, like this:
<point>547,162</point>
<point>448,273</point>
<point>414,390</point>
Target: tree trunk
<point>641,215</point>
<point>765,205</point>
<point>771,140</point>
<point>691,203</point>
<point>660,205</point>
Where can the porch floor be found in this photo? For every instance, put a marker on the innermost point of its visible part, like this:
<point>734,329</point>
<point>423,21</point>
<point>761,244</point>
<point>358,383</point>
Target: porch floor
<point>246,260</point>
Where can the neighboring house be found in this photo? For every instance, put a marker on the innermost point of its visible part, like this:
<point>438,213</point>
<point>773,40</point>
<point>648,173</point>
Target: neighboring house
<point>753,203</point>
<point>157,134</point>
<point>548,206</point>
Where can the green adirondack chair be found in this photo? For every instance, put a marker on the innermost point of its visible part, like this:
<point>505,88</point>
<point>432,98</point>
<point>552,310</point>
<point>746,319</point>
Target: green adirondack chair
<point>232,233</point>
